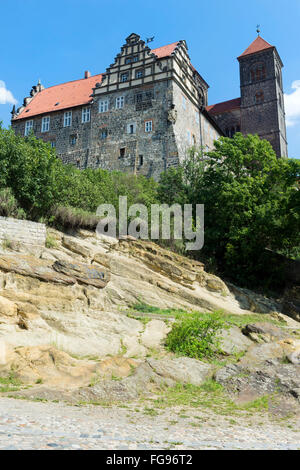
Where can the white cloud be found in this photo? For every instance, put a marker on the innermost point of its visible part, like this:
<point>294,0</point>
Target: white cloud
<point>292,105</point>
<point>6,96</point>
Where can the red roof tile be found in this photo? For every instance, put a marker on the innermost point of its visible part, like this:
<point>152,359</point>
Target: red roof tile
<point>165,51</point>
<point>224,106</point>
<point>63,96</point>
<point>259,44</point>
<point>75,93</point>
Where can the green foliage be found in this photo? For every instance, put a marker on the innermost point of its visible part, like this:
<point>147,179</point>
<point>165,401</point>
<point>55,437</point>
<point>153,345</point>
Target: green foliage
<point>195,336</point>
<point>9,206</point>
<point>62,194</point>
<point>251,200</point>
<point>50,241</point>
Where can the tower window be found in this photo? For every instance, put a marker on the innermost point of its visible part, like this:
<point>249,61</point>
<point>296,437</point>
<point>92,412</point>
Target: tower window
<point>141,160</point>
<point>258,73</point>
<point>259,97</point>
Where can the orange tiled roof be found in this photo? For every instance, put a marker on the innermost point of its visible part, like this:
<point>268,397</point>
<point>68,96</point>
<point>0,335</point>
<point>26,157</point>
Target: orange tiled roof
<point>75,93</point>
<point>63,96</point>
<point>224,106</point>
<point>259,44</point>
<point>165,51</point>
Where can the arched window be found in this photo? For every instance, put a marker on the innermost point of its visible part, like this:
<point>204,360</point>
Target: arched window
<point>259,97</point>
<point>258,73</point>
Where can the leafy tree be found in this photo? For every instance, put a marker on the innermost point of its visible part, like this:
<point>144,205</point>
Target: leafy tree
<point>251,203</point>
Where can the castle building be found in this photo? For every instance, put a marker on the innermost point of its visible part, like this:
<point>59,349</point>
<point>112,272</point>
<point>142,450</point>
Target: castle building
<point>150,107</point>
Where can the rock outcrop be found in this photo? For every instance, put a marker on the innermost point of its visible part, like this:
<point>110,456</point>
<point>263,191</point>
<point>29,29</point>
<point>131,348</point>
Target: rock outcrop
<point>64,322</point>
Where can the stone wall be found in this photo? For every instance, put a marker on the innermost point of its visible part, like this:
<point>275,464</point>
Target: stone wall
<point>22,231</point>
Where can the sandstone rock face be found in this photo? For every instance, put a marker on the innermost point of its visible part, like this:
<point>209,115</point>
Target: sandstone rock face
<point>233,341</point>
<point>250,383</point>
<point>154,334</point>
<point>182,369</point>
<point>83,273</point>
<point>63,319</point>
<point>264,332</point>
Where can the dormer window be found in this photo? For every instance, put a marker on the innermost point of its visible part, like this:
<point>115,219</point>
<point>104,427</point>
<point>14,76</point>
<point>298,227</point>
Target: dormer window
<point>139,74</point>
<point>124,77</point>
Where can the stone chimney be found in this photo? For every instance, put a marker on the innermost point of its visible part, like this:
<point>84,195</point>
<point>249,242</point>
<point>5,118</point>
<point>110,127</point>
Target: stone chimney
<point>87,74</point>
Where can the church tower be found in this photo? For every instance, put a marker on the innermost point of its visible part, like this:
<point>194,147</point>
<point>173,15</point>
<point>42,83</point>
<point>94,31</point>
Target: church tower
<point>262,100</point>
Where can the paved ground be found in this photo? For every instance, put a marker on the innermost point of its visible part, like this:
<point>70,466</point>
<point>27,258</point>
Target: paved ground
<point>35,425</point>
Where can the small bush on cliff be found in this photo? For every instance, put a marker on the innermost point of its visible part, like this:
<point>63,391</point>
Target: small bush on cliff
<point>9,206</point>
<point>195,336</point>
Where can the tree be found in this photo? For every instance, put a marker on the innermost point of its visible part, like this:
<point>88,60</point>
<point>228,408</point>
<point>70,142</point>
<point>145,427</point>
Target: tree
<point>251,203</point>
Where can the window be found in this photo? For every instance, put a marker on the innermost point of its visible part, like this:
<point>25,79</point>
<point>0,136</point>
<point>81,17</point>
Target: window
<point>131,128</point>
<point>45,124</point>
<point>197,117</point>
<point>135,58</point>
<point>73,139</point>
<point>259,97</point>
<point>148,126</point>
<point>28,127</point>
<point>86,115</point>
<point>139,74</point>
<point>141,160</point>
<point>258,73</point>
<point>122,152</point>
<point>103,134</point>
<point>53,144</point>
<point>183,102</point>
<point>139,97</point>
<point>68,119</point>
<point>124,77</point>
<point>120,102</point>
<point>128,60</point>
<point>103,106</point>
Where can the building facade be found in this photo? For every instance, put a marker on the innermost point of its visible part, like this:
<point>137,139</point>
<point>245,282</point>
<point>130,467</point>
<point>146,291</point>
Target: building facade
<point>148,108</point>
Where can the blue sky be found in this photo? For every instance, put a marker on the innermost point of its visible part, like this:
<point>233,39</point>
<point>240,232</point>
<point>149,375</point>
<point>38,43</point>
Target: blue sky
<point>57,41</point>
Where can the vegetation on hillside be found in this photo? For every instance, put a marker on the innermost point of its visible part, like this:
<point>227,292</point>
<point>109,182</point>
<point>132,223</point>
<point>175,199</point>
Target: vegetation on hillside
<point>252,199</point>
<point>252,202</point>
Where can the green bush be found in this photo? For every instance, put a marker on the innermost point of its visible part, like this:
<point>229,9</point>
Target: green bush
<point>195,336</point>
<point>9,206</point>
